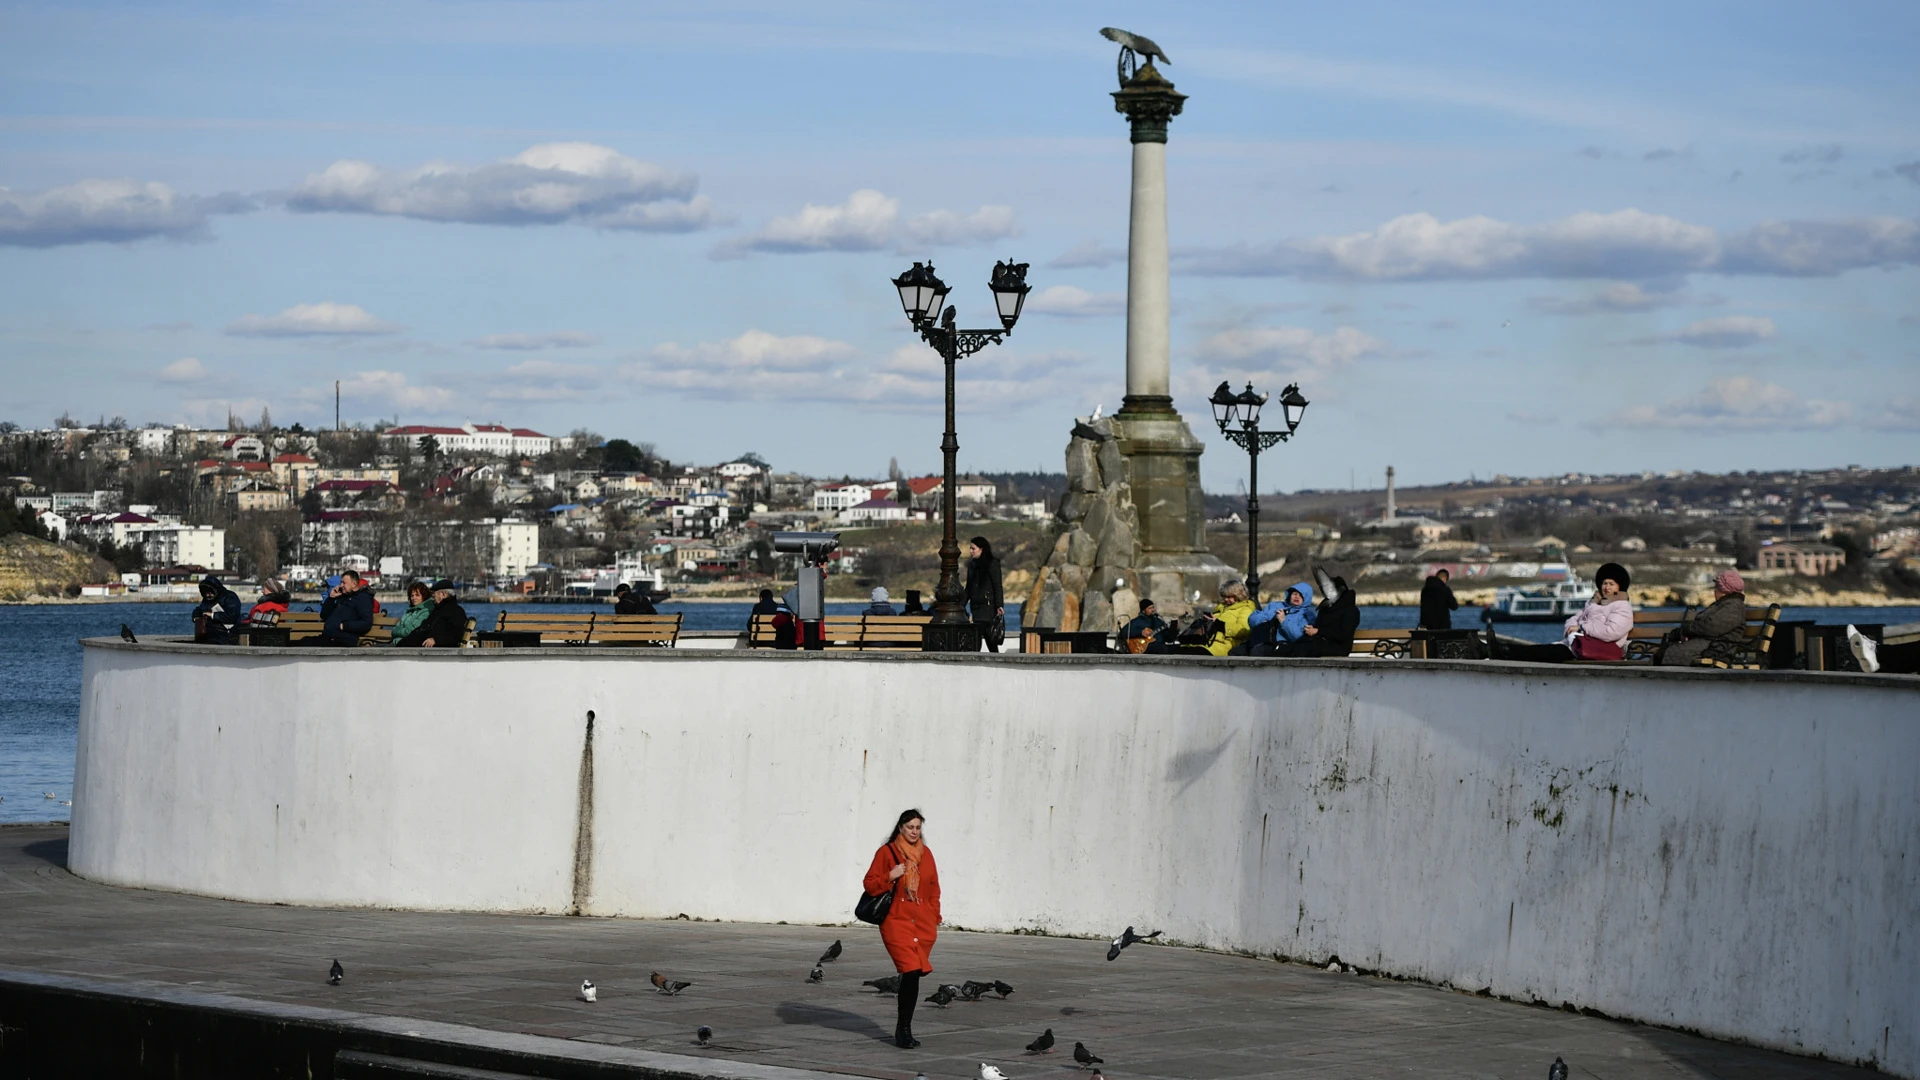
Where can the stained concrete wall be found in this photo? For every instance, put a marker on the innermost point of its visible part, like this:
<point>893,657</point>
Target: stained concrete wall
<point>1737,854</point>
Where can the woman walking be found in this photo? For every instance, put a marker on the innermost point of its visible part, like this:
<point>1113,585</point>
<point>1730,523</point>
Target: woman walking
<point>986,603</point>
<point>904,866</point>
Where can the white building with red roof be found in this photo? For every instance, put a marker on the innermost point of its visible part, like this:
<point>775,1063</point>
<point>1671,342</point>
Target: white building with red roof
<point>475,438</point>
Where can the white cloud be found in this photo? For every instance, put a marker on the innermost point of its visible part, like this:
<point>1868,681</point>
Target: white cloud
<point>108,211</point>
<point>185,369</point>
<point>1900,414</point>
<point>538,381</point>
<point>1624,245</point>
<point>549,184</point>
<point>755,365</point>
<point>1073,302</point>
<point>556,339</point>
<point>313,320</point>
<point>1290,348</point>
<point>1822,154</point>
<point>381,392</point>
<point>1621,296</point>
<point>870,221</point>
<point>1089,254</point>
<point>1726,332</point>
<point>1736,403</point>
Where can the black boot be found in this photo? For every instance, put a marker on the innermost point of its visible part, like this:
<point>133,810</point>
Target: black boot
<point>909,997</point>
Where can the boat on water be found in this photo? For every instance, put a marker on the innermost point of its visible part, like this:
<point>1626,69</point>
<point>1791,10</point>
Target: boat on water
<point>1546,602</point>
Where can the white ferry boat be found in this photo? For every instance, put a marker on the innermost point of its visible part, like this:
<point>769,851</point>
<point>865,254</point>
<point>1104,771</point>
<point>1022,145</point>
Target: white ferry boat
<point>1552,602</point>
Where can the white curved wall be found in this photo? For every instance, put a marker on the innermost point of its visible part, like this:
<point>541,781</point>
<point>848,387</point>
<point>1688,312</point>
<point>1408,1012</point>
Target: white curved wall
<point>1737,854</point>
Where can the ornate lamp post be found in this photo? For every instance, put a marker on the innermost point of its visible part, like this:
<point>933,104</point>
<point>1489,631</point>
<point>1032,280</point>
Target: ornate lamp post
<point>1239,418</point>
<point>921,295</point>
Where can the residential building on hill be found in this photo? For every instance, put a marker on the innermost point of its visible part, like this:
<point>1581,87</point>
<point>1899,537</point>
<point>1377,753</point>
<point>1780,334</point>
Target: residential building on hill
<point>1812,559</point>
<point>475,438</point>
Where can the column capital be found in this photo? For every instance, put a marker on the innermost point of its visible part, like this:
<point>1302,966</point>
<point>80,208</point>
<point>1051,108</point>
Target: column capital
<point>1149,100</point>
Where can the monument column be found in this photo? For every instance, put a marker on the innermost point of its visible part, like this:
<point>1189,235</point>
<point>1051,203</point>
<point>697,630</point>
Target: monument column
<point>1149,101</point>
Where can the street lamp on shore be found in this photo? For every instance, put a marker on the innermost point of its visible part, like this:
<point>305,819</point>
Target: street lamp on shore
<point>1239,418</point>
<point>922,295</point>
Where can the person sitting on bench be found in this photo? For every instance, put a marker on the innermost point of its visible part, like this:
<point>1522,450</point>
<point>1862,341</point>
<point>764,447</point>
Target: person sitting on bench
<point>1722,622</point>
<point>346,613</point>
<point>628,600</point>
<point>446,627</point>
<point>218,612</point>
<point>1596,632</point>
<point>1228,628</point>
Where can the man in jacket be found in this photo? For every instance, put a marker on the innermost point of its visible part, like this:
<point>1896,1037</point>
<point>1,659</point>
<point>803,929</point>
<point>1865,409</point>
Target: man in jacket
<point>217,613</point>
<point>346,613</point>
<point>1146,627</point>
<point>446,628</point>
<point>628,600</point>
<point>1437,603</point>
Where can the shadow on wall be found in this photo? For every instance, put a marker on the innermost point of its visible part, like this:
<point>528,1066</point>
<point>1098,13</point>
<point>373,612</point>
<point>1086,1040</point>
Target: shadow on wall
<point>1187,767</point>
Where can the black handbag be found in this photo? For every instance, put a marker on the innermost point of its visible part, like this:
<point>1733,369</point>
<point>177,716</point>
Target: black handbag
<point>997,631</point>
<point>873,907</point>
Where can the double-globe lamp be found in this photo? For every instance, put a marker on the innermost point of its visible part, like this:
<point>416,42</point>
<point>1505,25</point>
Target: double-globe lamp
<point>923,296</point>
<point>1239,418</point>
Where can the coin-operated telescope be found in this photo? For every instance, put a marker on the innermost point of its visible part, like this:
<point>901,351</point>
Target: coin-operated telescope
<point>808,597</point>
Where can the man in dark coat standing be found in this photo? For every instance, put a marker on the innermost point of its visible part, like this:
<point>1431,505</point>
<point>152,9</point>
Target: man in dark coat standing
<point>446,627</point>
<point>1437,603</point>
<point>346,613</point>
<point>217,613</point>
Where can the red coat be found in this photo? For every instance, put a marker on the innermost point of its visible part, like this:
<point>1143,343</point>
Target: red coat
<point>910,927</point>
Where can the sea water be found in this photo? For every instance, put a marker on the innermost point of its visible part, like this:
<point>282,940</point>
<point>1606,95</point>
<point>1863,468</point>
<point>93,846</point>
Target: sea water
<point>40,671</point>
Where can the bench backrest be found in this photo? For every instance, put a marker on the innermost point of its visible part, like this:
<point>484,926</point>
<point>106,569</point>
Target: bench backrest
<point>860,632</point>
<point>1650,627</point>
<point>594,628</point>
<point>305,624</point>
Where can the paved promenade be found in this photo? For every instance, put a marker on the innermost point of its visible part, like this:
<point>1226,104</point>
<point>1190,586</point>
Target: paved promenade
<point>1156,1012</point>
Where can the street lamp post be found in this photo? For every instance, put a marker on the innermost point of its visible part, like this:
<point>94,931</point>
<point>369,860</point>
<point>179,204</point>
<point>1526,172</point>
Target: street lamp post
<point>1239,418</point>
<point>922,295</point>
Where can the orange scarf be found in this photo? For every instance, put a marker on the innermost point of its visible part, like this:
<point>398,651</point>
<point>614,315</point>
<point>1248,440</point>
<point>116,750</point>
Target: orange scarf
<point>910,854</point>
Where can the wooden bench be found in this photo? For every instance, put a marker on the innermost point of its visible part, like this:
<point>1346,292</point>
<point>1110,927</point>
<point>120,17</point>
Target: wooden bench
<point>594,628</point>
<point>1650,628</point>
<point>855,632</point>
<point>1385,645</point>
<point>301,625</point>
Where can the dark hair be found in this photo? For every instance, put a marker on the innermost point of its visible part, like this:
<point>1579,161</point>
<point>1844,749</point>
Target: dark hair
<point>766,594</point>
<point>345,574</point>
<point>1615,571</point>
<point>622,589</point>
<point>421,588</point>
<point>1443,572</point>
<point>905,817</point>
<point>986,549</point>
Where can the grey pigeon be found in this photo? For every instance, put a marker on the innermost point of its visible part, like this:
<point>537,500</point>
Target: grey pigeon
<point>1084,1056</point>
<point>667,986</point>
<point>335,974</point>
<point>944,996</point>
<point>704,1035</point>
<point>1126,938</point>
<point>886,984</point>
<point>126,635</point>
<point>1043,1044</point>
<point>818,974</point>
<point>971,991</point>
<point>828,957</point>
<point>1142,45</point>
<point>1557,1070</point>
<point>1001,988</point>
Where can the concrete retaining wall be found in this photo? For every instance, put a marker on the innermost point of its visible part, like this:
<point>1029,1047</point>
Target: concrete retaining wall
<point>1737,854</point>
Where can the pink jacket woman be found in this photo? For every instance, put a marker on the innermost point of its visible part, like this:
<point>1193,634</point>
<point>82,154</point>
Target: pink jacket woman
<point>1597,632</point>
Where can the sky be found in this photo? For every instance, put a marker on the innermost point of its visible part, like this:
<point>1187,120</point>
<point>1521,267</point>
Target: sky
<point>1482,237</point>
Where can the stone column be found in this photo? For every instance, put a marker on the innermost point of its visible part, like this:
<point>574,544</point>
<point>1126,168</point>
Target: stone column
<point>1149,101</point>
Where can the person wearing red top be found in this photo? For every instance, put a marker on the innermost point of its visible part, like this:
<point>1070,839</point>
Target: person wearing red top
<point>904,866</point>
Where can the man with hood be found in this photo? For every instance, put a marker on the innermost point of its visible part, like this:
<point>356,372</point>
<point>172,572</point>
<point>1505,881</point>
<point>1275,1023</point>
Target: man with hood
<point>446,628</point>
<point>217,613</point>
<point>346,613</point>
<point>1339,618</point>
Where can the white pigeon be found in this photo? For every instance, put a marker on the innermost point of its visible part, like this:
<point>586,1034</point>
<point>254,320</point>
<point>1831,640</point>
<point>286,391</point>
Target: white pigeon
<point>588,991</point>
<point>988,1072</point>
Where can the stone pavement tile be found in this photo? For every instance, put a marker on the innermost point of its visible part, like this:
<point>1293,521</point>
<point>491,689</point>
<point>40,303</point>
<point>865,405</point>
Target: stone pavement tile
<point>1157,1012</point>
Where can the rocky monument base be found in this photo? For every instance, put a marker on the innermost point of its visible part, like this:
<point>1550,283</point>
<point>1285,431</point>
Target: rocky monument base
<point>1132,524</point>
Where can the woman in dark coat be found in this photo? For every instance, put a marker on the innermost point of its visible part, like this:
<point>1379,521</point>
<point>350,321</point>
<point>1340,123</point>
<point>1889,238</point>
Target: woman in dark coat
<point>904,866</point>
<point>1722,622</point>
<point>986,603</point>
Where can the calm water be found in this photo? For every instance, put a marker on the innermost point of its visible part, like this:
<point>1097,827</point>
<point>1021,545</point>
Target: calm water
<point>40,672</point>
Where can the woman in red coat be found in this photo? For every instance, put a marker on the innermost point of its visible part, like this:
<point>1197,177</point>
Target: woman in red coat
<point>905,866</point>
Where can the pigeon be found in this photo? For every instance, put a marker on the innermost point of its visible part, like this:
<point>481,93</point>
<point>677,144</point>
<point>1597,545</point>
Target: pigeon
<point>988,1072</point>
<point>1126,938</point>
<point>944,996</point>
<point>1043,1044</point>
<point>1084,1056</point>
<point>818,974</point>
<point>1002,989</point>
<point>668,986</point>
<point>971,991</point>
<point>126,635</point>
<point>703,1036</point>
<point>588,991</point>
<point>828,957</point>
<point>886,984</point>
<point>335,974</point>
<point>1557,1070</point>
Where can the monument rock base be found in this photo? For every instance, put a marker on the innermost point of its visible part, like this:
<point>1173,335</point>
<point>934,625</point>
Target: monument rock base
<point>1132,524</point>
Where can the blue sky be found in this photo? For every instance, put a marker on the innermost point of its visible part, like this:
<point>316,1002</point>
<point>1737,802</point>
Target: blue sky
<point>1484,237</point>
